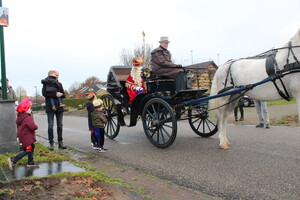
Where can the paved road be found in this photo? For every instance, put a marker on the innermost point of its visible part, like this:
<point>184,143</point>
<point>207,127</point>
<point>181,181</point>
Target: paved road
<point>261,164</point>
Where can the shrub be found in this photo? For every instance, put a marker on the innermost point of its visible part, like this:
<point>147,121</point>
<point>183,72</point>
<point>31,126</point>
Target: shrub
<point>75,103</point>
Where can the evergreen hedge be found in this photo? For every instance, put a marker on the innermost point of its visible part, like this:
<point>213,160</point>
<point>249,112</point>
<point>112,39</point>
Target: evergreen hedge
<point>75,103</point>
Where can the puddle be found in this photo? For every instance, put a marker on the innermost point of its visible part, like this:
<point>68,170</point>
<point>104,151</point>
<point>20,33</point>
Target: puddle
<point>45,169</point>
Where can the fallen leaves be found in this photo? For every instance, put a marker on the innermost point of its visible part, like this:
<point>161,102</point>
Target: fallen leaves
<point>55,188</point>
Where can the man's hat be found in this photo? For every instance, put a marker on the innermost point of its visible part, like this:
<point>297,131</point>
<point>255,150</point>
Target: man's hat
<point>137,62</point>
<point>97,103</point>
<point>164,39</point>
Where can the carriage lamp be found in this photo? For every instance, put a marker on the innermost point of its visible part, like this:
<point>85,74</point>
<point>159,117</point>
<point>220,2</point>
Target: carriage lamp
<point>145,72</point>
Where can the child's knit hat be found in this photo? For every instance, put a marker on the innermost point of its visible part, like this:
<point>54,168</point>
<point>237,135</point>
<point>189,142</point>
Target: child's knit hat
<point>26,100</point>
<point>23,107</point>
<point>97,103</point>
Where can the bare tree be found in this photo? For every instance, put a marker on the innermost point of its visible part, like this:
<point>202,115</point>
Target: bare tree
<point>20,93</point>
<point>74,88</point>
<point>126,57</point>
<point>89,82</point>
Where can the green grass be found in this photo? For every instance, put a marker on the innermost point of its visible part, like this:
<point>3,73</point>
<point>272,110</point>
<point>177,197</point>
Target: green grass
<point>281,102</point>
<point>41,154</point>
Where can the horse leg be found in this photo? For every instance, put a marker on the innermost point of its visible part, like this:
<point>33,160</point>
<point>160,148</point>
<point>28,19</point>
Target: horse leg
<point>222,121</point>
<point>222,126</point>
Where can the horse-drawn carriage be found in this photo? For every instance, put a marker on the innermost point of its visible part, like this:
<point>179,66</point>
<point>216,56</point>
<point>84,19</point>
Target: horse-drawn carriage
<point>162,106</point>
<point>159,108</point>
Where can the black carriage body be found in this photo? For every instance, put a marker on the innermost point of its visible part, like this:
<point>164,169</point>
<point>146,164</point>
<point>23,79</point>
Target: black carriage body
<point>116,80</point>
<point>159,108</point>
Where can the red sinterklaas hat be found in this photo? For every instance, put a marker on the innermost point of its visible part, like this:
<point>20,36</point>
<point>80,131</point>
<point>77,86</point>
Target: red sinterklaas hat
<point>137,62</point>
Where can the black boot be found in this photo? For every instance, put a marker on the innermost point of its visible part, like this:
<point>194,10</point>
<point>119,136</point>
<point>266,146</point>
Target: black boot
<point>51,146</point>
<point>61,145</point>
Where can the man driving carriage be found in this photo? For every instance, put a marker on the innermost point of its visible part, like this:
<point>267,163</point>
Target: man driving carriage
<point>162,65</point>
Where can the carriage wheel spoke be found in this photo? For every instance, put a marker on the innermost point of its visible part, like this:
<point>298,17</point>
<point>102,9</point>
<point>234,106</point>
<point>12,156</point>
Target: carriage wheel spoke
<point>112,126</point>
<point>166,132</point>
<point>211,122</point>
<point>196,120</point>
<point>154,111</point>
<point>207,125</point>
<point>151,115</point>
<point>199,124</point>
<point>162,135</point>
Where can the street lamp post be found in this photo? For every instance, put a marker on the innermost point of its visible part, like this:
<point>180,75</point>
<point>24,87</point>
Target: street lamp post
<point>36,99</point>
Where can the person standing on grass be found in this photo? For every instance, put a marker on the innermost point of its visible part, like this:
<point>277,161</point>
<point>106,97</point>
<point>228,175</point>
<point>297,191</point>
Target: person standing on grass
<point>26,128</point>
<point>58,112</point>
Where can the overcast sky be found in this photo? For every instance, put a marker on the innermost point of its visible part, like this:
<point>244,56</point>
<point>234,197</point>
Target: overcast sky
<point>84,38</point>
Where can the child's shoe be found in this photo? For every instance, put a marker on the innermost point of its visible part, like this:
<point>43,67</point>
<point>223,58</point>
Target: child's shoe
<point>102,150</point>
<point>32,164</point>
<point>11,163</point>
<point>93,146</point>
<point>53,108</point>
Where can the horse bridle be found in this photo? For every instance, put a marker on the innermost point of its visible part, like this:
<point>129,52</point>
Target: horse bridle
<point>288,68</point>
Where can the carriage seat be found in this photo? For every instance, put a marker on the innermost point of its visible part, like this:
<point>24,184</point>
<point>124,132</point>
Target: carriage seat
<point>160,83</point>
<point>163,77</point>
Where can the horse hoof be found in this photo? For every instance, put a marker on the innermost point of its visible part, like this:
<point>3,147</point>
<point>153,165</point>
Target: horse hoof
<point>224,146</point>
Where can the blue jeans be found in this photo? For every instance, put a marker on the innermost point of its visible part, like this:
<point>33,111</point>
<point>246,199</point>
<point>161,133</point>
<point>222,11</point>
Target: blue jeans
<point>52,101</point>
<point>24,153</point>
<point>99,133</point>
<point>261,109</point>
<point>59,122</point>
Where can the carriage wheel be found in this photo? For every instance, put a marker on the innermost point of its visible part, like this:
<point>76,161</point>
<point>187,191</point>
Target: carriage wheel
<point>200,123</point>
<point>112,127</point>
<point>159,123</point>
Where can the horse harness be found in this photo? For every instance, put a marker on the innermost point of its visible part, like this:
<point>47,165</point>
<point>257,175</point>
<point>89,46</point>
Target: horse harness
<point>271,69</point>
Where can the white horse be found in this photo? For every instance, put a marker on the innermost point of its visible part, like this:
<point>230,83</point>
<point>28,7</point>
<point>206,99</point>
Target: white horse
<point>247,71</point>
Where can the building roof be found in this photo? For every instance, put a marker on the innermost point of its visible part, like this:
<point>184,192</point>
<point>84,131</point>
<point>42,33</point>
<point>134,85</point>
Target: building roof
<point>203,65</point>
<point>95,88</point>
